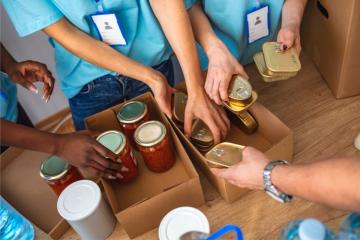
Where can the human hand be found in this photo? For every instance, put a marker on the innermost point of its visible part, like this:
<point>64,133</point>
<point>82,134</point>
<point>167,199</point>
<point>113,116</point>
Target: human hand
<point>222,66</point>
<point>28,72</point>
<point>289,36</point>
<point>200,106</point>
<point>162,92</point>
<point>82,150</point>
<point>248,173</point>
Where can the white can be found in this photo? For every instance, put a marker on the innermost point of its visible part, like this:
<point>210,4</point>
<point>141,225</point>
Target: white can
<point>83,207</point>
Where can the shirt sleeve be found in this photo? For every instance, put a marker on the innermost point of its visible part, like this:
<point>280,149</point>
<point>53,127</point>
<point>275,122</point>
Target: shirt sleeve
<point>31,16</point>
<point>189,3</point>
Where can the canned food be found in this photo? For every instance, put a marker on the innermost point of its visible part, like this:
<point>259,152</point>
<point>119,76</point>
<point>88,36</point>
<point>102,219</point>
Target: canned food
<point>240,91</point>
<point>236,108</point>
<point>117,143</point>
<point>245,120</point>
<point>224,155</point>
<point>154,144</point>
<point>201,136</point>
<point>130,116</point>
<point>178,110</point>
<point>58,173</point>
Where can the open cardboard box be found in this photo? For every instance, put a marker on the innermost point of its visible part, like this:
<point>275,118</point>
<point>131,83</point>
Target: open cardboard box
<point>140,205</point>
<point>23,188</point>
<point>272,137</point>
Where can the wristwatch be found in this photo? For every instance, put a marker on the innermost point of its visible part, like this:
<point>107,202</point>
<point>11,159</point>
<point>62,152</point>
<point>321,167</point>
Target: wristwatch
<point>269,188</point>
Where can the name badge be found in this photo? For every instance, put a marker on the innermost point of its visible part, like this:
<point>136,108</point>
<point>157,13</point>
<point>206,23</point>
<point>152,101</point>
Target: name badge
<point>108,28</point>
<point>258,24</point>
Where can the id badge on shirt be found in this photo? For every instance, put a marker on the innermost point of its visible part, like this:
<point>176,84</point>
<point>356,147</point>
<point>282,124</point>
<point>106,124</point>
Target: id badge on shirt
<point>108,27</point>
<point>258,25</point>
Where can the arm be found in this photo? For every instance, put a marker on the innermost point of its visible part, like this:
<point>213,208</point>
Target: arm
<point>289,34</point>
<point>80,149</point>
<point>179,33</point>
<point>334,182</point>
<point>27,73</point>
<point>99,53</point>
<point>222,64</point>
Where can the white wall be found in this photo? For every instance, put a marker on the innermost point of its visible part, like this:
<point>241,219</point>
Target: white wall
<point>35,47</point>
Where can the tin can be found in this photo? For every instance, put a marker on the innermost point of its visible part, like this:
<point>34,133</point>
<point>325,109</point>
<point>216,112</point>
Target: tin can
<point>244,120</point>
<point>153,143</point>
<point>240,91</point>
<point>116,142</point>
<point>201,136</point>
<point>130,116</point>
<point>58,173</point>
<point>178,108</point>
<point>224,155</point>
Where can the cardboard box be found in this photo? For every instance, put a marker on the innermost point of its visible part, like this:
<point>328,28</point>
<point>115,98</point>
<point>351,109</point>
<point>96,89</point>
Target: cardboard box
<point>330,36</point>
<point>25,190</point>
<point>272,137</point>
<point>140,205</point>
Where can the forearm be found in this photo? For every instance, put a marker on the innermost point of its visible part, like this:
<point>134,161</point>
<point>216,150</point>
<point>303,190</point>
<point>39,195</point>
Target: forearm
<point>17,135</point>
<point>180,36</point>
<point>6,59</point>
<point>333,182</point>
<point>97,52</point>
<point>292,12</point>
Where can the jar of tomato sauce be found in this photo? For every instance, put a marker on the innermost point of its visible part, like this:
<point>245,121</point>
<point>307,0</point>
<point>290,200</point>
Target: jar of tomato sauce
<point>58,173</point>
<point>116,142</point>
<point>154,144</point>
<point>130,116</point>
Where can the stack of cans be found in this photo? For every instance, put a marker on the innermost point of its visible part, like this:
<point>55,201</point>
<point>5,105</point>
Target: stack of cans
<point>178,109</point>
<point>201,136</point>
<point>274,64</point>
<point>224,155</point>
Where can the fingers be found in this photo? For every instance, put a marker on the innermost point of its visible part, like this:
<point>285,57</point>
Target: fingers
<point>215,95</point>
<point>209,83</point>
<point>105,155</point>
<point>224,117</point>
<point>97,172</point>
<point>223,88</point>
<point>223,173</point>
<point>286,39</point>
<point>215,130</point>
<point>188,120</point>
<point>105,172</point>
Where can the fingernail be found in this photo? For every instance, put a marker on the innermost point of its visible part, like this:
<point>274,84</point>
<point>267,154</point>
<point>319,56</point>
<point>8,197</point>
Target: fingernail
<point>285,47</point>
<point>118,175</point>
<point>119,160</point>
<point>47,99</point>
<point>124,169</point>
<point>111,177</point>
<point>34,89</point>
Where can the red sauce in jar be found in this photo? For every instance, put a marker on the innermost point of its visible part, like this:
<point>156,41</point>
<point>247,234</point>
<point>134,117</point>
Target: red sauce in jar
<point>59,174</point>
<point>154,144</point>
<point>130,116</point>
<point>116,142</point>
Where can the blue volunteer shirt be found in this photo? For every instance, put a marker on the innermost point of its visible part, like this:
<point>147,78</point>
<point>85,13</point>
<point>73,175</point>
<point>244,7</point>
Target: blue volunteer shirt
<point>228,19</point>
<point>146,42</point>
<point>8,99</point>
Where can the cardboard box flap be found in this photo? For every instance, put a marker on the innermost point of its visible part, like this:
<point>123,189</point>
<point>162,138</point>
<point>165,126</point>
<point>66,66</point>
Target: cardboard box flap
<point>22,186</point>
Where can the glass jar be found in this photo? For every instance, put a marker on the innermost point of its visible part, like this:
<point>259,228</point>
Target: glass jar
<point>130,116</point>
<point>154,144</point>
<point>116,142</point>
<point>58,173</point>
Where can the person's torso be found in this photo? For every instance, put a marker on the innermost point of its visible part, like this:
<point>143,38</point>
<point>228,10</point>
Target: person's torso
<point>8,99</point>
<point>228,19</point>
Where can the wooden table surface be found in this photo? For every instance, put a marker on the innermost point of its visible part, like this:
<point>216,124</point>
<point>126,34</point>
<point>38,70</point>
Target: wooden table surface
<point>323,128</point>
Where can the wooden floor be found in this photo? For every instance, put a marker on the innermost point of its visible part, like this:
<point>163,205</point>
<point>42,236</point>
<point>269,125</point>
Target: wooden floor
<point>323,128</point>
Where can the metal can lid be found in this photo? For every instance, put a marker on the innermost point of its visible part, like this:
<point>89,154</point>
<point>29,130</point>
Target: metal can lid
<point>182,220</point>
<point>225,154</point>
<point>132,112</point>
<point>79,200</point>
<point>240,88</point>
<point>150,133</point>
<point>113,140</point>
<point>54,168</point>
<point>201,133</point>
<point>180,100</point>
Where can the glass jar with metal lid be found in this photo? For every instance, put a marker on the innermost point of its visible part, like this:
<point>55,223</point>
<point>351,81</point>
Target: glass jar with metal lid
<point>58,173</point>
<point>154,144</point>
<point>116,142</point>
<point>130,116</point>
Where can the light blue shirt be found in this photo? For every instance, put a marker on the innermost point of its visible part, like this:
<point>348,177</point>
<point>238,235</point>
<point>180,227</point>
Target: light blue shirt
<point>146,43</point>
<point>8,99</point>
<point>228,19</point>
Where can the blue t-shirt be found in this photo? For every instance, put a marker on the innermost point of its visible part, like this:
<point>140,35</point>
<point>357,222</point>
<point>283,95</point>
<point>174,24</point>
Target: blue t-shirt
<point>228,19</point>
<point>146,42</point>
<point>8,99</point>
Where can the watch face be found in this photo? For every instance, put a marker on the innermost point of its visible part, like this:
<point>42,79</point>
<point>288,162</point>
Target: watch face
<point>240,89</point>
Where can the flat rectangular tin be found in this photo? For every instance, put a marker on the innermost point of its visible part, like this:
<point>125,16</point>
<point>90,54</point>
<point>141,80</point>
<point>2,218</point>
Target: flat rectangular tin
<point>224,155</point>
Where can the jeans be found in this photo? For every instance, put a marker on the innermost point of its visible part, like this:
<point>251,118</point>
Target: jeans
<point>109,90</point>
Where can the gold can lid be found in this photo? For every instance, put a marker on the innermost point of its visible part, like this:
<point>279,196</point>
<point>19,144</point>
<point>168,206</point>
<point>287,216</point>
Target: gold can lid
<point>132,112</point>
<point>54,168</point>
<point>225,154</point>
<point>236,107</point>
<point>239,89</point>
<point>179,104</point>
<point>150,133</point>
<point>278,61</point>
<point>113,140</point>
<point>201,133</point>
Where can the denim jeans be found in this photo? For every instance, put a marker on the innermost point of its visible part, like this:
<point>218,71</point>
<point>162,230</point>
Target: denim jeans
<point>110,90</point>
